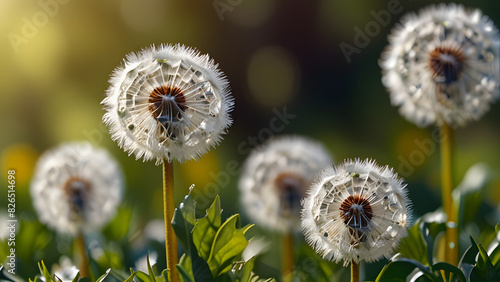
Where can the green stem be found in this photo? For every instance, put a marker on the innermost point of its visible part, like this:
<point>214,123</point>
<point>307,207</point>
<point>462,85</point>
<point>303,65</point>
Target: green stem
<point>84,263</point>
<point>451,248</point>
<point>354,271</point>
<point>168,214</point>
<point>288,257</point>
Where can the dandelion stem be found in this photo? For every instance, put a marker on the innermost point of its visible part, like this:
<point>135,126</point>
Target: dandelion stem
<point>451,249</point>
<point>84,263</point>
<point>288,257</point>
<point>354,271</point>
<point>168,214</point>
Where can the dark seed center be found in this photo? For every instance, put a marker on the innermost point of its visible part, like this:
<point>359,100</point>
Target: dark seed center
<point>167,104</point>
<point>356,212</point>
<point>446,64</point>
<point>291,190</point>
<point>77,190</point>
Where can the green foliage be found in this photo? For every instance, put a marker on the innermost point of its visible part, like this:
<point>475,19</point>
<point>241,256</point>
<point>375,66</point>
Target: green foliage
<point>212,247</point>
<point>119,226</point>
<point>475,265</point>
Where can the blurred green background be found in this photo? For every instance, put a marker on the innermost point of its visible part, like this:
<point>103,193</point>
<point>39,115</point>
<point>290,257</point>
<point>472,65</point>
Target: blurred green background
<point>56,57</point>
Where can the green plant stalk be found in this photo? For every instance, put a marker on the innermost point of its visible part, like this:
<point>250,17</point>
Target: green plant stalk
<point>451,248</point>
<point>84,263</point>
<point>288,257</point>
<point>354,271</point>
<point>168,214</point>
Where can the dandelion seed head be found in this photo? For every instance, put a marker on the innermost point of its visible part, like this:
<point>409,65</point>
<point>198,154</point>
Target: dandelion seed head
<point>442,65</point>
<point>355,211</point>
<point>168,102</point>
<point>275,178</point>
<point>76,188</point>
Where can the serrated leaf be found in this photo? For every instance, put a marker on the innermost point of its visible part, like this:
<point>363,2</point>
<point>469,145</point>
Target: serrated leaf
<point>430,231</point>
<point>144,277</point>
<point>484,264</point>
<point>104,276</point>
<point>468,260</point>
<point>150,270</point>
<point>399,269</point>
<point>246,271</point>
<point>44,271</point>
<point>184,220</point>
<point>184,273</point>
<point>414,245</point>
<point>206,228</point>
<point>182,223</point>
<point>131,277</point>
<point>186,265</point>
<point>77,277</point>
<point>228,244</point>
<point>467,195</point>
<point>450,269</point>
<point>495,256</point>
<point>164,276</point>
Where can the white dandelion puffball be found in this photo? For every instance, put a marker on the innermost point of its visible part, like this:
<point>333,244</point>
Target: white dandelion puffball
<point>442,65</point>
<point>76,188</point>
<point>167,102</point>
<point>275,177</point>
<point>355,211</point>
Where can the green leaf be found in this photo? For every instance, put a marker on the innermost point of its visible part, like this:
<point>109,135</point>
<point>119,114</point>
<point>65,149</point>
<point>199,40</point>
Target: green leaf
<point>246,271</point>
<point>184,220</point>
<point>414,245</point>
<point>144,277</point>
<point>206,228</point>
<point>77,277</point>
<point>399,269</point>
<point>450,269</point>
<point>468,260</point>
<point>131,277</point>
<point>44,271</point>
<point>186,265</point>
<point>185,274</point>
<point>182,223</point>
<point>106,275</point>
<point>467,196</point>
<point>430,231</point>
<point>228,244</point>
<point>150,270</point>
<point>488,272</point>
<point>118,227</point>
<point>164,276</point>
<point>495,256</point>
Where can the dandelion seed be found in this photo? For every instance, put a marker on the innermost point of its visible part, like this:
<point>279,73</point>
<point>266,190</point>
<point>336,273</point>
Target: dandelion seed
<point>442,65</point>
<point>168,102</point>
<point>76,188</point>
<point>355,211</point>
<point>275,178</point>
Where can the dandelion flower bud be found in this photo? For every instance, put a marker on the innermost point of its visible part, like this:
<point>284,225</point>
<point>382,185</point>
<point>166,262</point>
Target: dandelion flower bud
<point>355,211</point>
<point>442,65</point>
<point>76,188</point>
<point>168,102</point>
<point>275,178</point>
